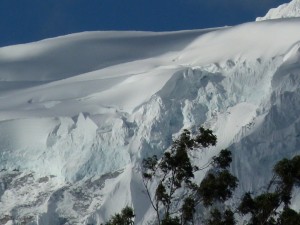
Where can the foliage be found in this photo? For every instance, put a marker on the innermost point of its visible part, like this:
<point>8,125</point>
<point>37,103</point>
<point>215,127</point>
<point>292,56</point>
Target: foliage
<point>264,207</point>
<point>217,187</point>
<point>175,171</point>
<point>223,160</point>
<point>288,174</point>
<point>170,221</point>
<point>126,217</point>
<point>219,184</point>
<point>289,217</point>
<point>205,138</point>
<point>217,218</point>
<point>247,204</point>
<point>188,209</point>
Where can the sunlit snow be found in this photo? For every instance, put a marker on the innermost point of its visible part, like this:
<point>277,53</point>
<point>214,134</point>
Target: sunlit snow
<point>78,113</point>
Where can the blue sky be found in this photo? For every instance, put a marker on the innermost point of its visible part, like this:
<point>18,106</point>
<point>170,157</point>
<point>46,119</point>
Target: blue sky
<point>24,21</point>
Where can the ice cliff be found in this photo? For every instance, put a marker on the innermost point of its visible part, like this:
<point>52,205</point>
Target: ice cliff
<point>287,10</point>
<point>78,113</point>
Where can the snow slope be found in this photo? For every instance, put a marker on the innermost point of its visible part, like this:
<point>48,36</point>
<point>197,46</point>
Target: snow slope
<point>288,10</point>
<point>78,113</point>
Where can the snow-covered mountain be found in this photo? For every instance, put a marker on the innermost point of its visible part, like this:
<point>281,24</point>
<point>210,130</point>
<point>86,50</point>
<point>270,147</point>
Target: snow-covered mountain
<point>78,113</point>
<point>288,10</point>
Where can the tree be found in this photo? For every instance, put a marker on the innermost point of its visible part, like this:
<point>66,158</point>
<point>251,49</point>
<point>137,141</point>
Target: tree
<point>289,217</point>
<point>175,171</point>
<point>217,218</point>
<point>223,160</point>
<point>264,207</point>
<point>217,187</point>
<point>188,210</point>
<point>172,171</point>
<point>287,173</point>
<point>177,195</point>
<point>170,221</point>
<point>126,217</point>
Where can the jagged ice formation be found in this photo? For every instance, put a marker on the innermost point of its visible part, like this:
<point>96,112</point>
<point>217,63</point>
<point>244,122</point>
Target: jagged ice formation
<point>78,114</point>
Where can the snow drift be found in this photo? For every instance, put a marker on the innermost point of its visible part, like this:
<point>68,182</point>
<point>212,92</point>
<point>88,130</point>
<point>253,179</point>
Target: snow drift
<point>78,113</point>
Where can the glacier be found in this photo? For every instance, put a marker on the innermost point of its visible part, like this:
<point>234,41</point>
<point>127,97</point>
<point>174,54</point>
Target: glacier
<point>287,10</point>
<point>78,113</point>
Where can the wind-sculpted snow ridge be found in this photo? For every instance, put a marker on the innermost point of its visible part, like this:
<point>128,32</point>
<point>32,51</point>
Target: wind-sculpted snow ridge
<point>287,10</point>
<point>79,113</point>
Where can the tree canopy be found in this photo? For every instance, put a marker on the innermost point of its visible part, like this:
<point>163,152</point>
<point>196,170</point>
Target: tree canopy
<point>177,196</point>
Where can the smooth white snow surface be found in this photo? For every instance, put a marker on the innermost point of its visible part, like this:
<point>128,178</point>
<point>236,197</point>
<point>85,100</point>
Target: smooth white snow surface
<point>78,113</point>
